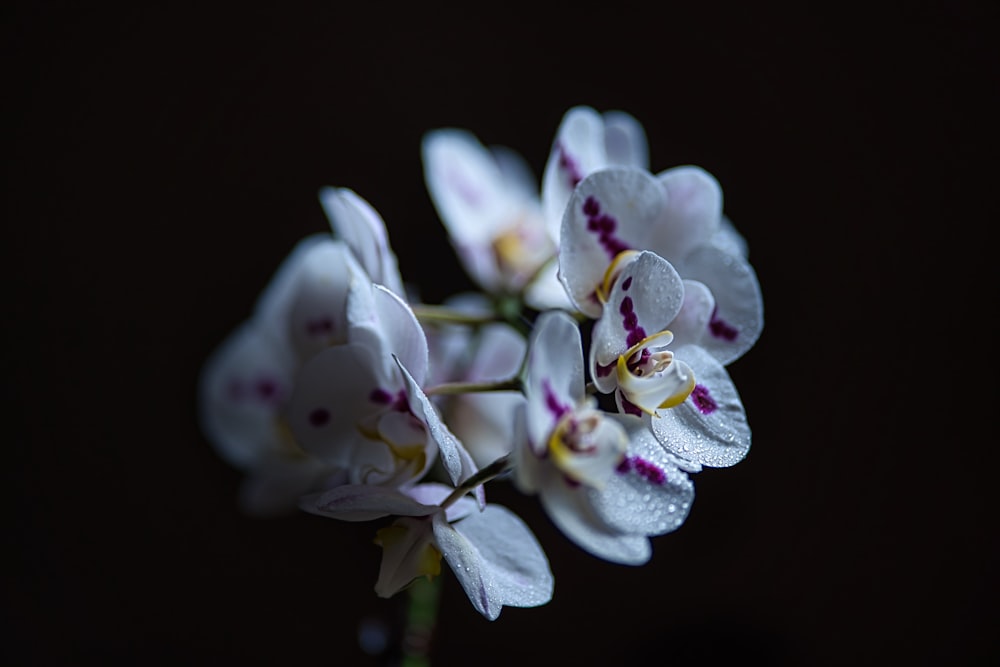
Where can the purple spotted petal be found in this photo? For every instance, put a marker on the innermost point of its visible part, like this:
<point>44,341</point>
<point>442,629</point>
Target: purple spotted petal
<point>738,318</point>
<point>648,495</point>
<point>645,298</point>
<point>612,210</point>
<point>554,381</point>
<point>577,150</point>
<point>242,389</point>
<point>710,427</point>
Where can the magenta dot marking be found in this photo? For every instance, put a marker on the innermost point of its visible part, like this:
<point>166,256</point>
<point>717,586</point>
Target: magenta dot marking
<point>703,400</point>
<point>604,226</point>
<point>628,406</point>
<point>320,327</point>
<point>569,165</point>
<point>722,329</point>
<point>627,284</point>
<point>648,470</point>
<point>319,417</point>
<point>552,402</point>
<point>631,322</point>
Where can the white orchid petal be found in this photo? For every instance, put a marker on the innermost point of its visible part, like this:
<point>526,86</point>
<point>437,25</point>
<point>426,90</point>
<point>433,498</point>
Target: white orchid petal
<point>242,389</point>
<point>554,373</point>
<point>625,140</point>
<point>363,502</point>
<point>571,511</point>
<point>691,324</point>
<point>610,211</point>
<point>738,319</point>
<point>496,559</point>
<point>710,427</point>
<point>362,228</point>
<point>693,213</point>
<point>649,495</point>
<point>381,321</point>
<point>577,150</point>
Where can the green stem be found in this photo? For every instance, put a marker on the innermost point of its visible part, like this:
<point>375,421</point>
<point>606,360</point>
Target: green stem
<point>449,315</point>
<point>498,467</point>
<point>421,619</point>
<point>452,388</point>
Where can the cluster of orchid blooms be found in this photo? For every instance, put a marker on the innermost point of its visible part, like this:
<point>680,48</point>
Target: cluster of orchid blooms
<point>590,370</point>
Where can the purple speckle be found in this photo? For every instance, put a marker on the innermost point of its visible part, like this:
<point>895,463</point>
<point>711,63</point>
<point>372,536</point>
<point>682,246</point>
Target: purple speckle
<point>631,322</point>
<point>320,327</point>
<point>604,226</point>
<point>267,389</point>
<point>627,284</point>
<point>703,400</point>
<point>720,328</point>
<point>569,165</point>
<point>628,406</point>
<point>552,402</point>
<point>319,417</point>
<point>380,395</point>
<point>264,390</point>
<point>646,469</point>
<point>399,402</point>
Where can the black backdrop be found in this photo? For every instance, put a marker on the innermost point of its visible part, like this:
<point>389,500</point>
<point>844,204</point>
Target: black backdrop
<point>160,163</point>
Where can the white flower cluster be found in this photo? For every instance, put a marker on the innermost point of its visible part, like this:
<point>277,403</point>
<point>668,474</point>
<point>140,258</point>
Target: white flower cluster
<point>347,397</point>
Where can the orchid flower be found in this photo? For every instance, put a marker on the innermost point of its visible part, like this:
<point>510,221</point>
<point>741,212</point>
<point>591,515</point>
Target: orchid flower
<point>246,383</point>
<point>493,554</point>
<point>603,479</point>
<point>360,406</point>
<point>628,351</point>
<point>489,203</point>
<point>677,215</point>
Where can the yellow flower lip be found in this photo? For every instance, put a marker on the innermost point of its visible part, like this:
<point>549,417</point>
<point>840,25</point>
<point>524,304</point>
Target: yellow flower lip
<point>612,272</point>
<point>657,381</point>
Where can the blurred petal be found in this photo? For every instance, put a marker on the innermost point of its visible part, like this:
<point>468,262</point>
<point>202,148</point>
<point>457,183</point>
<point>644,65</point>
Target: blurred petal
<point>363,502</point>
<point>554,373</point>
<point>693,213</point>
<point>625,140</point>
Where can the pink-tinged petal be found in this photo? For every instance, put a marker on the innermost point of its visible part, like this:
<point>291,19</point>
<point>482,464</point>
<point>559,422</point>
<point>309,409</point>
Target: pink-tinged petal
<point>456,459</point>
<point>738,318</point>
<point>242,389</point>
<point>408,552</point>
<point>496,559</point>
<point>611,211</point>
<point>649,495</point>
<point>570,509</point>
<point>693,213</point>
<point>625,140</point>
<point>554,381</point>
<point>334,392</point>
<point>466,186</point>
<point>384,323</point>
<point>710,427</point>
<point>273,488</point>
<point>645,298</point>
<point>691,324</point>
<point>577,150</point>
<point>306,299</point>
<point>355,221</point>
<point>363,502</point>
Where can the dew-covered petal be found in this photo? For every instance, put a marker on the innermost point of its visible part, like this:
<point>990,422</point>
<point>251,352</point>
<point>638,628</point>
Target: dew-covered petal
<point>408,552</point>
<point>358,223</point>
<point>625,140</point>
<point>554,382</point>
<point>571,511</point>
<point>610,211</point>
<point>648,495</point>
<point>242,389</point>
<point>738,318</point>
<point>384,323</point>
<point>645,298</point>
<point>335,392</point>
<point>693,213</point>
<point>456,459</point>
<point>710,427</point>
<point>363,502</point>
<point>305,301</point>
<point>497,560</point>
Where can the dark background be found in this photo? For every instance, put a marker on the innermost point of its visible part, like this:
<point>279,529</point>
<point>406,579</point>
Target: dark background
<point>160,163</point>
